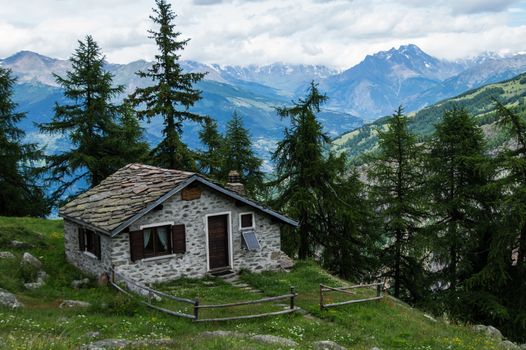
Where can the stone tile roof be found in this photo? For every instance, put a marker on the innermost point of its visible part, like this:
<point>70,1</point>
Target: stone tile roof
<point>122,195</point>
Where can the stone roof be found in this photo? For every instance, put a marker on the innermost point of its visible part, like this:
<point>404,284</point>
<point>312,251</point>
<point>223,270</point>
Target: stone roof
<point>122,195</point>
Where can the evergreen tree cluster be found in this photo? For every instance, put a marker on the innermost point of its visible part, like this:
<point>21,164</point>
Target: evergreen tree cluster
<point>232,151</point>
<point>442,221</point>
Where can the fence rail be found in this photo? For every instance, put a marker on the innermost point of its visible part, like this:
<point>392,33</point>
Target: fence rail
<point>291,296</point>
<point>345,290</point>
<point>197,306</point>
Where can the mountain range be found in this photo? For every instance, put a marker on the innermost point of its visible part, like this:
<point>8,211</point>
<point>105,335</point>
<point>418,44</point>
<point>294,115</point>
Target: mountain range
<point>365,92</point>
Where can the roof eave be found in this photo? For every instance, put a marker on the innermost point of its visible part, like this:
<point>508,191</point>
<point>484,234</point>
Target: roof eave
<point>85,224</point>
<point>152,205</point>
<point>249,202</point>
<point>210,184</point>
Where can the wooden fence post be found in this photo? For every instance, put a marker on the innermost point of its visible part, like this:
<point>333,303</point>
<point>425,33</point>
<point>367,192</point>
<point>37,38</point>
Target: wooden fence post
<point>321,296</point>
<point>293,292</point>
<point>196,309</point>
<point>378,290</point>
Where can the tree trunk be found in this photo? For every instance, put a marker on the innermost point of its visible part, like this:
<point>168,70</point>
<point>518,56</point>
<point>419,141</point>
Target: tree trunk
<point>398,261</point>
<point>453,252</point>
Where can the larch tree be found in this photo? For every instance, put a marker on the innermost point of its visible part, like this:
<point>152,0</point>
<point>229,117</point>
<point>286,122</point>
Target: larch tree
<point>238,155</point>
<point>499,287</point>
<point>89,120</point>
<point>301,166</point>
<point>171,95</point>
<point>455,179</point>
<point>328,199</point>
<point>396,177</point>
<point>19,193</point>
<point>211,158</point>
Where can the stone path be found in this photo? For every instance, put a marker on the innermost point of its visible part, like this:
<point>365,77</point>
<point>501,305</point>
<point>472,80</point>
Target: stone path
<point>234,280</point>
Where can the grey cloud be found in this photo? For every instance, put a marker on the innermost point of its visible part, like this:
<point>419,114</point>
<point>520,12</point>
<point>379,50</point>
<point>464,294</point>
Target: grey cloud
<point>480,6</point>
<point>207,2</point>
<point>463,6</point>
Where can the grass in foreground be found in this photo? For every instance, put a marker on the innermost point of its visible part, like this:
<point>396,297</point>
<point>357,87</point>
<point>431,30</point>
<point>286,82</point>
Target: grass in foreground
<point>388,324</point>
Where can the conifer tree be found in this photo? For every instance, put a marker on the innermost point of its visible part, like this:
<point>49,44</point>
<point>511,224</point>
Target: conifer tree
<point>326,197</point>
<point>301,166</point>
<point>454,162</point>
<point>348,226</point>
<point>89,121</point>
<point>499,286</point>
<point>211,159</point>
<point>172,94</point>
<point>19,193</point>
<point>396,177</point>
<point>125,141</point>
<point>238,155</point>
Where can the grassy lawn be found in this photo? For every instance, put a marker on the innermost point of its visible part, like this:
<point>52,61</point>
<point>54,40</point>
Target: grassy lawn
<point>387,324</point>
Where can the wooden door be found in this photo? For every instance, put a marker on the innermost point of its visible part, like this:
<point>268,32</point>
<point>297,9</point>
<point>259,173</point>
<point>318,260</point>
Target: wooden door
<point>218,241</point>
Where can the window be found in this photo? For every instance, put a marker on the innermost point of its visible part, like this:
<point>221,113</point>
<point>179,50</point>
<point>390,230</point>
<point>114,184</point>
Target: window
<point>152,241</point>
<point>156,241</point>
<point>89,242</point>
<point>246,221</point>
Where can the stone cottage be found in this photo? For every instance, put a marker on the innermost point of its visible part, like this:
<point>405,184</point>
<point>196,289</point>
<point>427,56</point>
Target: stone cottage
<point>154,225</point>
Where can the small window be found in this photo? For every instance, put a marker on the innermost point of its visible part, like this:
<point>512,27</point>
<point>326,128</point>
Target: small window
<point>156,241</point>
<point>89,242</point>
<point>251,241</point>
<point>246,221</point>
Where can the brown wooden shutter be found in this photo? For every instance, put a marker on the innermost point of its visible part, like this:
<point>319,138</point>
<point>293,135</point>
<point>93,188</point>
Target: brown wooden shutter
<point>82,240</point>
<point>96,245</point>
<point>136,245</point>
<point>179,239</point>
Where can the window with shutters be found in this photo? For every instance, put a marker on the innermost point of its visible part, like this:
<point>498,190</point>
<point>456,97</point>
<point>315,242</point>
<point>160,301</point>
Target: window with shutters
<point>156,241</point>
<point>89,242</point>
<point>246,221</point>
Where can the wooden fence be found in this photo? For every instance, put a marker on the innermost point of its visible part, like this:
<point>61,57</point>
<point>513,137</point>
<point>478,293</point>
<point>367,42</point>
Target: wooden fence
<point>346,290</point>
<point>197,306</point>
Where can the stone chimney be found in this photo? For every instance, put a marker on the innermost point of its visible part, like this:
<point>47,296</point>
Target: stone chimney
<point>234,183</point>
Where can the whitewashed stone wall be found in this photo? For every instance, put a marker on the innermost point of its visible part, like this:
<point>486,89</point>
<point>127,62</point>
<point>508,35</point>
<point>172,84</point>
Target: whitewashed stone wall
<point>85,261</point>
<point>194,262</point>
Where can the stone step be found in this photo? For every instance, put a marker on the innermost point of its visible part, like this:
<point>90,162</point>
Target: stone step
<point>240,285</point>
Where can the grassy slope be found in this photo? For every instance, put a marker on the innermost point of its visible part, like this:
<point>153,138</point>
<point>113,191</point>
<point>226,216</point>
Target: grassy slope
<point>388,324</point>
<point>478,102</point>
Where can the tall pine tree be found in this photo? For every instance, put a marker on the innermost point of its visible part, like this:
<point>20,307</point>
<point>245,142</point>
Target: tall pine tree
<point>301,166</point>
<point>455,159</point>
<point>90,121</point>
<point>349,232</point>
<point>500,285</point>
<point>238,155</point>
<point>19,193</point>
<point>211,158</point>
<point>172,94</point>
<point>329,201</point>
<point>396,179</point>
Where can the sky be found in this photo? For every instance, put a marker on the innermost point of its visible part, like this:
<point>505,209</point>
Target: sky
<point>337,33</point>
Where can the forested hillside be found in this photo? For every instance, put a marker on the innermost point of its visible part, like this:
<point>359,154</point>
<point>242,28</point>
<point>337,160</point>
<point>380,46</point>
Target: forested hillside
<point>479,103</point>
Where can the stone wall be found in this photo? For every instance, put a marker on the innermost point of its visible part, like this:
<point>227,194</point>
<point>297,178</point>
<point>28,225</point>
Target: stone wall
<point>85,261</point>
<point>194,262</point>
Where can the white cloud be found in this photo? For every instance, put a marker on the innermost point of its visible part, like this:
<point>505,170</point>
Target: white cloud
<point>335,32</point>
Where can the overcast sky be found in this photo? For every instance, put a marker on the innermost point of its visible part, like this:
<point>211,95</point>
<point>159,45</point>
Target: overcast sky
<point>338,33</point>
